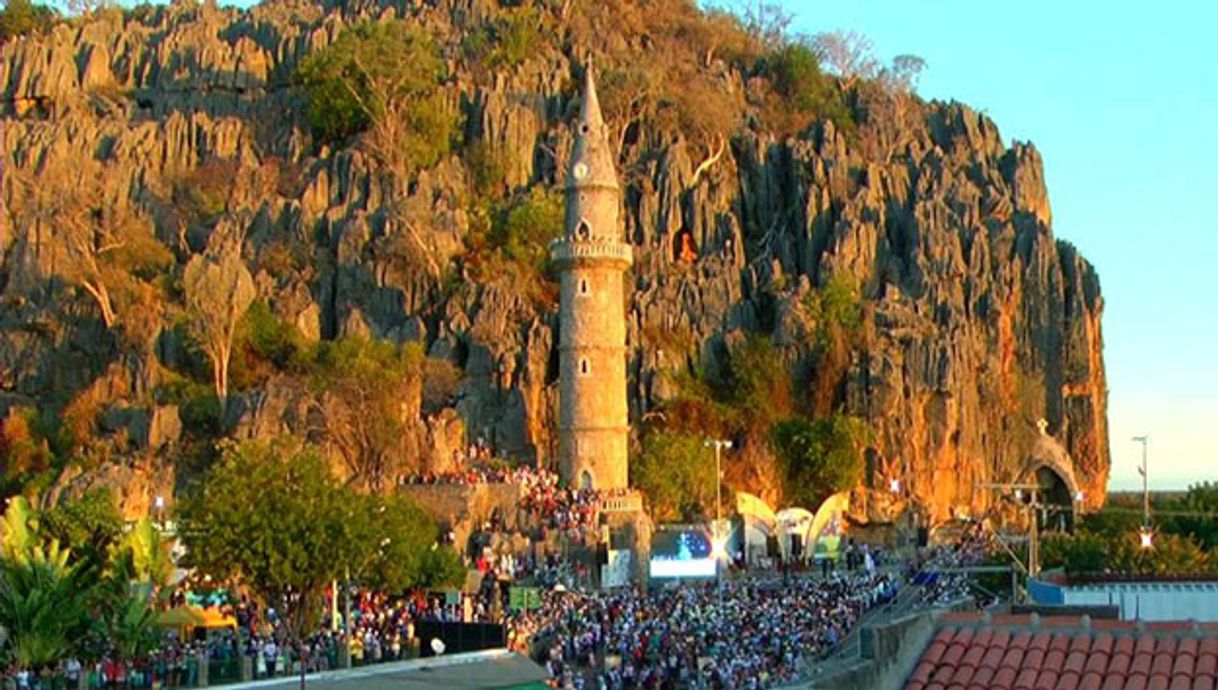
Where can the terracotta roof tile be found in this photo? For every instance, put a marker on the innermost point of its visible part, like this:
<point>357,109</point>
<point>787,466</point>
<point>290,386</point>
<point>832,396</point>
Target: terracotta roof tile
<point>983,676</point>
<point>923,672</point>
<point>982,637</point>
<point>1119,663</point>
<point>1096,663</point>
<point>935,651</point>
<point>1077,660</point>
<point>1123,645</point>
<point>1091,681</point>
<point>1102,643</point>
<point>973,656</point>
<point>992,658</point>
<point>1026,680</point>
<point>1004,678</point>
<point>1145,644</point>
<point>1066,657</point>
<point>1046,680</point>
<point>963,636</point>
<point>1068,681</point>
<point>943,674</point>
<point>1013,659</point>
<point>1080,643</point>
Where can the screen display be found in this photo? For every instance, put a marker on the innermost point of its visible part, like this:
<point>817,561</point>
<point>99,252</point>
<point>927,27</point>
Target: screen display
<point>681,553</point>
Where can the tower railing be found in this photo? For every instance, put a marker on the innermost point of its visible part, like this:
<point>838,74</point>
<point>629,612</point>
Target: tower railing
<point>570,249</point>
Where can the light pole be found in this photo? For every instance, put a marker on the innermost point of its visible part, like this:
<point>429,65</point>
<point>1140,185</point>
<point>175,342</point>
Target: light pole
<point>1144,440</point>
<point>718,545</point>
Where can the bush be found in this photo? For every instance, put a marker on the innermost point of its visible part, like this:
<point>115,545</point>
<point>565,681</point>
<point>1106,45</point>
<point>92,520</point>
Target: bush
<point>201,195</point>
<point>677,474</point>
<point>382,78</point>
<point>507,40</point>
<point>21,18</point>
<point>821,457</point>
<point>804,92</point>
<point>836,311</point>
<point>522,231</point>
<point>270,338</point>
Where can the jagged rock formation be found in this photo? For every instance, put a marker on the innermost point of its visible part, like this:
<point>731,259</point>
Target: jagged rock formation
<point>979,321</point>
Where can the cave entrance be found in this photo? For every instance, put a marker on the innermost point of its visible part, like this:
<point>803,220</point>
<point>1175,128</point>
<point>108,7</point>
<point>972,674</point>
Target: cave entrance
<point>1056,499</point>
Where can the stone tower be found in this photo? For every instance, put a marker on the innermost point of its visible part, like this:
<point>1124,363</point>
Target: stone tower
<point>592,258</point>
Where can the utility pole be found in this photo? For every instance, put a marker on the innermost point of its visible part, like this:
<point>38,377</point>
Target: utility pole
<point>718,543</point>
<point>1144,440</point>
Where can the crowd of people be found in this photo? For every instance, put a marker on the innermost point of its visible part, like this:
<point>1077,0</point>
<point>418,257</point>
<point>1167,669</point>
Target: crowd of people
<point>753,634</point>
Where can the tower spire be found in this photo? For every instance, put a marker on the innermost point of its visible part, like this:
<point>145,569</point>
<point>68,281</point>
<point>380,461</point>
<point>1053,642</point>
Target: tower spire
<point>590,107</point>
<point>592,159</point>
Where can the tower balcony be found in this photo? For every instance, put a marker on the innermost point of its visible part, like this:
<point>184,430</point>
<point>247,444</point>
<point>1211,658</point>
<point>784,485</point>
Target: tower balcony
<point>566,251</point>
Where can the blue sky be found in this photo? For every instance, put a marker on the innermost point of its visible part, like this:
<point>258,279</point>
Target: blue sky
<point>1121,99</point>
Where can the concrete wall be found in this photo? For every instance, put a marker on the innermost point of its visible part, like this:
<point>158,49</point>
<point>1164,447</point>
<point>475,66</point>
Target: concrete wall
<point>890,652</point>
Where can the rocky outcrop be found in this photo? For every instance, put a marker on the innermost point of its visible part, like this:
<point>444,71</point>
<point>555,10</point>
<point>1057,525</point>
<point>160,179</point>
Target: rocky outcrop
<point>979,320</point>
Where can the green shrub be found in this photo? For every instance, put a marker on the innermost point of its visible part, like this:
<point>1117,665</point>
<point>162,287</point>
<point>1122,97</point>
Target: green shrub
<point>22,17</point>
<point>804,92</point>
<point>821,456</point>
<point>505,41</point>
<point>270,338</point>
<point>487,169</point>
<point>677,474</point>
<point>523,230</point>
<point>836,310</point>
<point>382,78</point>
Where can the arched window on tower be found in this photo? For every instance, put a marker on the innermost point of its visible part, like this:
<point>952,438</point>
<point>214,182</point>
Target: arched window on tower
<point>583,231</point>
<point>583,286</point>
<point>585,480</point>
<point>583,367</point>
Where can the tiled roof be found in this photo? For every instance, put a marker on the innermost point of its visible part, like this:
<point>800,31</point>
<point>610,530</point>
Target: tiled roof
<point>1015,653</point>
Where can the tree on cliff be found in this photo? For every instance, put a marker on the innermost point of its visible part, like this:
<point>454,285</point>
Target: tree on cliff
<point>104,248</point>
<point>269,516</point>
<point>21,17</point>
<point>821,456</point>
<point>382,78</point>
<point>218,291</point>
<point>677,474</point>
<point>368,388</point>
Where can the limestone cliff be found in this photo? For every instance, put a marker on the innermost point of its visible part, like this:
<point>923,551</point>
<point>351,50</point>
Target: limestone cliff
<point>979,321</point>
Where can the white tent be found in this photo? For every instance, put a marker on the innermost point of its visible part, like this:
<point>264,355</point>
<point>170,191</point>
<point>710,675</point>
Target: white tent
<point>793,524</point>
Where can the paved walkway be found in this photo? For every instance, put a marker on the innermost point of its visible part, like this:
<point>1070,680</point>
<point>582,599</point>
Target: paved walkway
<point>476,670</point>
